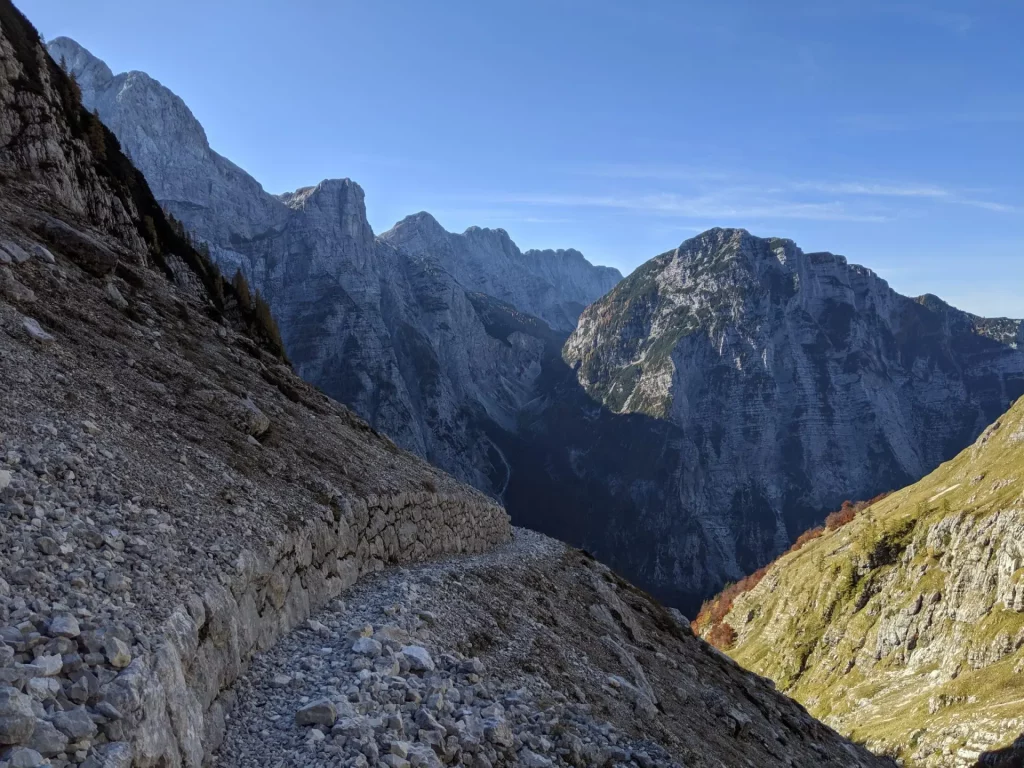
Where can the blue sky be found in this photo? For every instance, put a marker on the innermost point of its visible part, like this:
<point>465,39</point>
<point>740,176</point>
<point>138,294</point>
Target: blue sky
<point>888,131</point>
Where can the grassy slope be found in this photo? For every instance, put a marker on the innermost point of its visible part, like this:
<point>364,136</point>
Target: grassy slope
<point>812,624</point>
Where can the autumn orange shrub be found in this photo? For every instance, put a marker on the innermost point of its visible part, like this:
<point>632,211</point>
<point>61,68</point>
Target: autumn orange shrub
<point>845,515</point>
<point>722,636</point>
<point>806,536</point>
<point>713,612</point>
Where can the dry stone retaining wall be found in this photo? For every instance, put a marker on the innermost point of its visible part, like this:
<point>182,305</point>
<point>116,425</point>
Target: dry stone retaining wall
<point>179,697</point>
<point>167,708</point>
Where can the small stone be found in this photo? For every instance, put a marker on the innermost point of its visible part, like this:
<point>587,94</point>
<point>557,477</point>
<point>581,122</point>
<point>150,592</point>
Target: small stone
<point>47,740</point>
<point>5,479</point>
<point>394,724</point>
<point>91,427</point>
<point>366,630</point>
<point>64,625</point>
<point>741,723</point>
<point>367,646</point>
<point>109,711</point>
<point>114,297</point>
<point>317,627</point>
<point>22,757</point>
<point>427,722</point>
<point>322,712</point>
<point>115,582</point>
<point>498,732</point>
<point>471,666</point>
<point>280,681</point>
<point>17,718</point>
<point>117,652</point>
<point>47,546</point>
<point>76,724</point>
<point>43,688</point>
<point>400,749</point>
<point>35,331</point>
<point>14,289</point>
<point>43,253</point>
<point>418,657</point>
<point>530,759</point>
<point>18,254</point>
<point>48,666</point>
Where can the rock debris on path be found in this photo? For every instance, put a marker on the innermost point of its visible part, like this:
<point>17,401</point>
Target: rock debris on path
<point>531,655</point>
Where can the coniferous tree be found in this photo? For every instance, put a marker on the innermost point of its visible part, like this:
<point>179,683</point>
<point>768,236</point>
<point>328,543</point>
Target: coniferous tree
<point>242,288</point>
<point>96,137</point>
<point>268,324</point>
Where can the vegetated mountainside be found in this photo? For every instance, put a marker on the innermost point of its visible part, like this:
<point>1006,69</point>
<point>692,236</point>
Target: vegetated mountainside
<point>904,627</point>
<point>175,500</point>
<point>793,380</point>
<point>555,286</point>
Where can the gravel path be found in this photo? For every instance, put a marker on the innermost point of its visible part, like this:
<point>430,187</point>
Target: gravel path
<point>378,679</point>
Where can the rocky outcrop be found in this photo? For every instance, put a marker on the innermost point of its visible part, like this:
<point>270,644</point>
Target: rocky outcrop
<point>788,382</point>
<point>553,285</point>
<point>215,199</point>
<point>905,626</point>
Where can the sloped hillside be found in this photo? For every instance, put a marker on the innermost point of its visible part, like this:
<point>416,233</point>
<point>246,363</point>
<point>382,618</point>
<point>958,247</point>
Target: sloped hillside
<point>904,628</point>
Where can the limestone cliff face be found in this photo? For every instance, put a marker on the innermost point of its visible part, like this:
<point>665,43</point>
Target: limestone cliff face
<point>393,336</point>
<point>553,285</point>
<point>45,135</point>
<point>905,627</point>
<point>795,381</point>
<point>214,198</point>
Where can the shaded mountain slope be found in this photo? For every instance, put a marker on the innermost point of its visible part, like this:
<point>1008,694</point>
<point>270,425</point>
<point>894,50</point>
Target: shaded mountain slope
<point>796,380</point>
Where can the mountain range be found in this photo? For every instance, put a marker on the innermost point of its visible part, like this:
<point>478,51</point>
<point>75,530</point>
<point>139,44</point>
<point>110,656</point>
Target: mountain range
<point>683,424</point>
<point>391,333</point>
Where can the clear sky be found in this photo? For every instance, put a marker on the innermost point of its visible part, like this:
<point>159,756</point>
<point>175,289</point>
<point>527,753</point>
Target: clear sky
<point>888,131</point>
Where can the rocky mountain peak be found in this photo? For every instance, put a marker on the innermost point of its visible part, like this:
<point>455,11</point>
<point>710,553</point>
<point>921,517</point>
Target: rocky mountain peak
<point>848,388</point>
<point>90,71</point>
<point>490,236</point>
<point>552,285</point>
<point>417,234</point>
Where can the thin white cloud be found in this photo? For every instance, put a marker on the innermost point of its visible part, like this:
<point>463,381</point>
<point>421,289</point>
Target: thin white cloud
<point>700,207</point>
<point>988,205</point>
<point>653,172</point>
<point>873,189</point>
<point>929,191</point>
<point>771,193</point>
